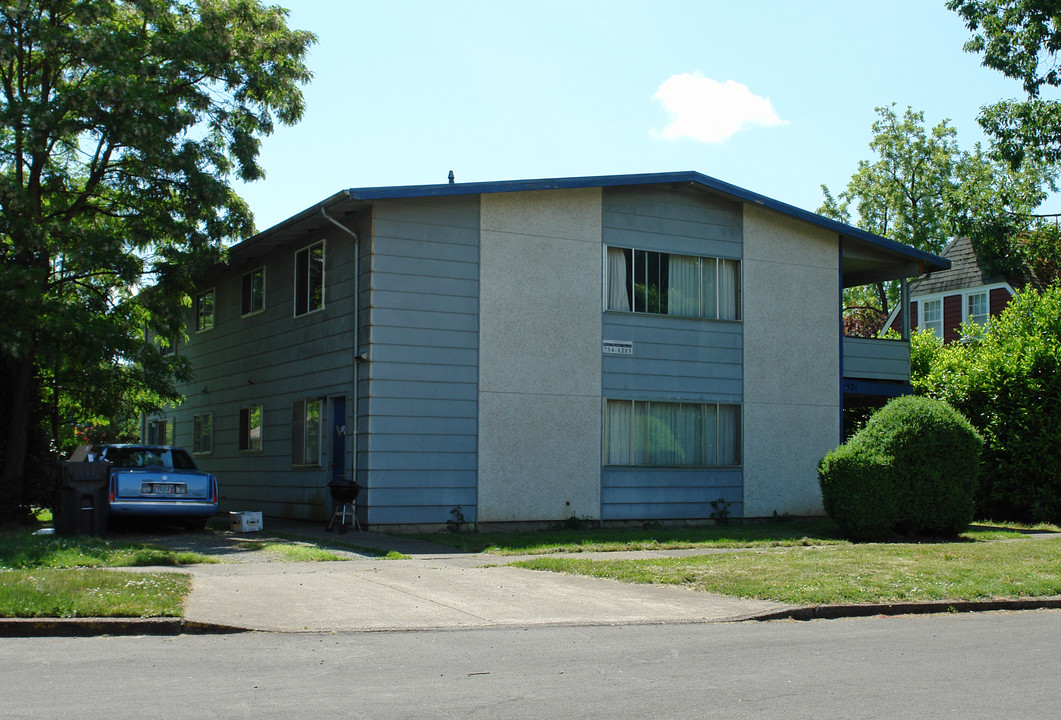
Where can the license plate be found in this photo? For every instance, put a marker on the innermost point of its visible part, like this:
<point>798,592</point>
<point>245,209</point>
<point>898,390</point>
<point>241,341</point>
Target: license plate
<point>164,489</point>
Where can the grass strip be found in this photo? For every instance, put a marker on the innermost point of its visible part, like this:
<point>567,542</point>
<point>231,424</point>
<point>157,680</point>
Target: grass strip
<point>765,534</point>
<point>339,545</point>
<point>23,550</point>
<point>847,573</point>
<point>302,552</point>
<point>91,592</point>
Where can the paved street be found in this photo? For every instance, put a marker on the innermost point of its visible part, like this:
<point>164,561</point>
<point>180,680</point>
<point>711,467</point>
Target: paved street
<point>955,666</point>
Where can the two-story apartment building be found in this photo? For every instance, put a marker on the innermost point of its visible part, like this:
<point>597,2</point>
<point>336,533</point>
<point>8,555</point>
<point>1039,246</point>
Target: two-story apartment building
<point>619,348</point>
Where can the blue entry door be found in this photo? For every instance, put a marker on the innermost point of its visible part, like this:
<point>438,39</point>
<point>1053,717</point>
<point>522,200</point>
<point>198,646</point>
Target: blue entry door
<point>338,435</point>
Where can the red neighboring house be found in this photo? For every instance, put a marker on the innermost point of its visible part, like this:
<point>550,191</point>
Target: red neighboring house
<point>943,300</point>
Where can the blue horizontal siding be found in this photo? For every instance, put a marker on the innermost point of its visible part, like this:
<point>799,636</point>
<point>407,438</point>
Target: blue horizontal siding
<point>421,379</point>
<point>414,515</point>
<point>398,407</point>
<point>674,359</point>
<point>428,286</point>
<point>437,497</point>
<point>419,479</point>
<point>668,493</point>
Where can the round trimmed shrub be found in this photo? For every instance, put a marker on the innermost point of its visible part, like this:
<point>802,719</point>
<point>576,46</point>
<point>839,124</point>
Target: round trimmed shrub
<point>913,469</point>
<point>856,492</point>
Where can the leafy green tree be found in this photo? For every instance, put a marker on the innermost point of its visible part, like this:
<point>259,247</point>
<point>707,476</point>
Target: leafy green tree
<point>1020,39</point>
<point>1006,378</point>
<point>123,124</point>
<point>921,190</point>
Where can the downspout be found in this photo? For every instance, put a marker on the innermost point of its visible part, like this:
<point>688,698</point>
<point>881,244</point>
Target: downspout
<point>357,322</point>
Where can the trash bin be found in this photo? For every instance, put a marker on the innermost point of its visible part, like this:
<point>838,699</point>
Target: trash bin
<point>83,505</point>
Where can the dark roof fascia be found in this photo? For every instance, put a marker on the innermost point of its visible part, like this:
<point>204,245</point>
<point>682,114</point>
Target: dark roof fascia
<point>929,261</point>
<point>291,223</point>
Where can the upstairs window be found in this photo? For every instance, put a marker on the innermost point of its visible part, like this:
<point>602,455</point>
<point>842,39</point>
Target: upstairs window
<point>932,316</point>
<point>204,311</point>
<point>976,308</point>
<point>253,292</point>
<point>645,281</point>
<point>309,279</point>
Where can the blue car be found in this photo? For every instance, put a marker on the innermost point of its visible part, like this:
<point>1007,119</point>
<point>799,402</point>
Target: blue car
<point>160,481</point>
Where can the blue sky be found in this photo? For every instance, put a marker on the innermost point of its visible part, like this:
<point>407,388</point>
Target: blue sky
<point>775,96</point>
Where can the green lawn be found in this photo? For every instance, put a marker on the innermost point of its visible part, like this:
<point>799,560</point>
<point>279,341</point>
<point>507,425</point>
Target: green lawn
<point>848,573</point>
<point>765,534</point>
<point>798,561</point>
<point>91,592</point>
<point>49,576</point>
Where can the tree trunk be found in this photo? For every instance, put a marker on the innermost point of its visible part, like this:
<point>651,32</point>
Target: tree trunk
<point>18,418</point>
<point>883,295</point>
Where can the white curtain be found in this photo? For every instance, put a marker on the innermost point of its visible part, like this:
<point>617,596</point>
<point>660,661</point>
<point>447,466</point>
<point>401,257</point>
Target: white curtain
<point>709,288</point>
<point>618,292</point>
<point>690,432</point>
<point>729,434</point>
<point>661,444</point>
<point>683,286</point>
<point>619,423</point>
<point>728,289</point>
<point>709,439</point>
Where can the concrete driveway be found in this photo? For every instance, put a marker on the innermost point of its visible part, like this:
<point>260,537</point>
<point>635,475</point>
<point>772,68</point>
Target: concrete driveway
<point>437,587</point>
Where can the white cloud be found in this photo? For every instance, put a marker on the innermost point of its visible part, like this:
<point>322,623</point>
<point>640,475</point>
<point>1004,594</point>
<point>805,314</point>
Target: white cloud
<point>709,111</point>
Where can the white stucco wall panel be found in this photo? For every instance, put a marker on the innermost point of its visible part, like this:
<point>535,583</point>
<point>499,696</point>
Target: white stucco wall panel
<point>791,361</point>
<point>569,214</point>
<point>539,457</point>
<point>540,355</point>
<point>781,463</point>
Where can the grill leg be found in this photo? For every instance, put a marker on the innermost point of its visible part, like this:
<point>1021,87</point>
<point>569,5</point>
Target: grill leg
<point>340,514</point>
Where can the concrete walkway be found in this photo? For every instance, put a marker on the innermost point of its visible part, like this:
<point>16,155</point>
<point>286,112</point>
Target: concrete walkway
<point>436,588</point>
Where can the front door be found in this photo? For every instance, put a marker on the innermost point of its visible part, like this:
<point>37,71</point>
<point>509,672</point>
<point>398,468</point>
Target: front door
<point>338,435</point>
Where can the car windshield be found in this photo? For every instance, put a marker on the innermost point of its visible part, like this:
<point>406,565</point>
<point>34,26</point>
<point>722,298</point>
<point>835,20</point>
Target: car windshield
<point>134,457</point>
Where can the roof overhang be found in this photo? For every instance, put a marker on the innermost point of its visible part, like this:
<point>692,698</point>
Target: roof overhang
<point>866,257</point>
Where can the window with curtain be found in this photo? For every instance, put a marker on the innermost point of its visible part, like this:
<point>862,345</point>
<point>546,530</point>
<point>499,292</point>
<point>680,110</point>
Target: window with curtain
<point>669,434</point>
<point>645,281</point>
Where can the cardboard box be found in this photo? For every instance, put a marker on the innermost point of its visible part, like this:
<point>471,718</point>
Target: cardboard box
<point>245,521</point>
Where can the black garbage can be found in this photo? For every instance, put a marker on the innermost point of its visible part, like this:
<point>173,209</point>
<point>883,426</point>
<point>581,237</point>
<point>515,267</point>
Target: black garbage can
<point>83,506</point>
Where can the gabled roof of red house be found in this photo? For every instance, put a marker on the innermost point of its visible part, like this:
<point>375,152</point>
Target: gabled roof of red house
<point>967,270</point>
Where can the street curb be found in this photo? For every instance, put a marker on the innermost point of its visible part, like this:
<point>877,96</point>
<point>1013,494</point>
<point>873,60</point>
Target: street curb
<point>835,612</point>
<point>94,627</point>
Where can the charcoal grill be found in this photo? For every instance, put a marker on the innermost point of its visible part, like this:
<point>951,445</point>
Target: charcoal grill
<point>344,493</point>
